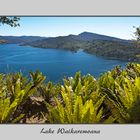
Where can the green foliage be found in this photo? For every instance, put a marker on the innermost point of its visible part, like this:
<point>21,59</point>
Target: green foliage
<point>113,98</point>
<point>14,91</point>
<point>123,93</point>
<point>85,86</point>
<point>75,111</point>
<point>79,102</point>
<point>48,91</point>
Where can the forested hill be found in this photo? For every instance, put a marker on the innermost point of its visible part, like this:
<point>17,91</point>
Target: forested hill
<point>114,50</point>
<point>87,36</point>
<point>101,45</point>
<point>19,39</point>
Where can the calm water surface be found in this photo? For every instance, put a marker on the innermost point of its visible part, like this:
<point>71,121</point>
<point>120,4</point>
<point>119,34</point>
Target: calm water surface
<point>53,63</point>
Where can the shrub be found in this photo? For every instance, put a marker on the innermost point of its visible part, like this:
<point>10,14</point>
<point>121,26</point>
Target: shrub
<point>79,102</point>
<point>14,91</point>
<point>123,93</point>
<point>113,98</point>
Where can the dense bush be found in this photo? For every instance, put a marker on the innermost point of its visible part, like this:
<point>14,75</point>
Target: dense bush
<point>79,102</point>
<point>122,88</point>
<point>14,91</point>
<point>113,98</point>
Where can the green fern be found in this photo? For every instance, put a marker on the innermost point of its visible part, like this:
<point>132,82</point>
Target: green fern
<point>14,92</point>
<point>80,102</point>
<point>123,93</point>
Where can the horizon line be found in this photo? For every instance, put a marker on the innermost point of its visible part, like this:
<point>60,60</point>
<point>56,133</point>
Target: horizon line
<point>64,35</point>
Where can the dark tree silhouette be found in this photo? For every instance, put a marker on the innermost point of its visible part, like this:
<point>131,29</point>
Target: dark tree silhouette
<point>137,33</point>
<point>11,21</point>
<point>136,40</point>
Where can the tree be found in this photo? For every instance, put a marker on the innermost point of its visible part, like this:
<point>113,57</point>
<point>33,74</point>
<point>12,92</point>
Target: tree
<point>137,37</point>
<point>11,21</point>
<point>137,33</point>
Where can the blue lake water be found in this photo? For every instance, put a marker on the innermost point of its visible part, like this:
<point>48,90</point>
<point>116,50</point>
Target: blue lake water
<point>53,63</point>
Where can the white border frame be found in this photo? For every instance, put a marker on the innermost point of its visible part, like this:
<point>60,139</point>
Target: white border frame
<point>69,8</point>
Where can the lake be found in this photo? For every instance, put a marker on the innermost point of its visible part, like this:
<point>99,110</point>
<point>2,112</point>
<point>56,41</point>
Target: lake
<point>53,63</point>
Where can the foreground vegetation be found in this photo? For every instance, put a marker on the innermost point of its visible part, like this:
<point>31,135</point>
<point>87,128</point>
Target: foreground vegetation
<point>113,98</point>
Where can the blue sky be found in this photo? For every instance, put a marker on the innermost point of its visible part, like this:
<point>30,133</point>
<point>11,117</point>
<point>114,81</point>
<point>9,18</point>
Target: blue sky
<point>121,27</point>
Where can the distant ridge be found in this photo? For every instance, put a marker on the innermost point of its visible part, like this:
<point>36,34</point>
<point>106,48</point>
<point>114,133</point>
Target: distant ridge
<point>88,36</point>
<point>84,36</point>
<point>74,40</point>
<point>97,44</point>
<point>20,39</point>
